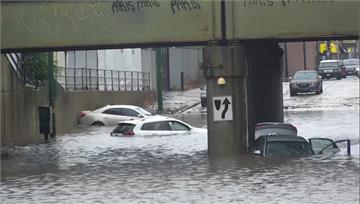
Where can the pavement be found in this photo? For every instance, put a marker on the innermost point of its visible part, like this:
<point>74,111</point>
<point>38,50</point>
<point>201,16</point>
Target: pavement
<point>177,102</point>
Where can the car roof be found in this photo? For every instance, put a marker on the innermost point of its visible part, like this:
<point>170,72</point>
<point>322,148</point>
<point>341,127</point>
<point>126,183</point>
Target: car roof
<point>157,118</point>
<point>285,138</point>
<point>329,60</point>
<point>116,106</point>
<point>121,106</point>
<point>301,71</point>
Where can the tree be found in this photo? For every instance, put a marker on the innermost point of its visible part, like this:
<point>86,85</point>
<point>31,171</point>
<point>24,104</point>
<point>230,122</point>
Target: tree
<point>35,68</point>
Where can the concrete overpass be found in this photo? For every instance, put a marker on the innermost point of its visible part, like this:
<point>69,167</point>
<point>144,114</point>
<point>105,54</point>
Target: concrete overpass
<point>240,40</point>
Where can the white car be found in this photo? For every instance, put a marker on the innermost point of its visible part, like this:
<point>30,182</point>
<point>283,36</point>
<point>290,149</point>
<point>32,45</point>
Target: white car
<point>155,126</point>
<point>112,115</point>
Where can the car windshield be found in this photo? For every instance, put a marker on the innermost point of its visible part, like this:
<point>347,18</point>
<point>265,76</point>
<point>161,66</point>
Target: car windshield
<point>305,75</point>
<point>326,65</point>
<point>143,111</point>
<point>351,62</point>
<point>287,148</point>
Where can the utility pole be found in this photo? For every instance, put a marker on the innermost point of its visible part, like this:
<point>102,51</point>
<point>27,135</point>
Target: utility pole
<point>52,93</point>
<point>304,52</point>
<point>159,65</point>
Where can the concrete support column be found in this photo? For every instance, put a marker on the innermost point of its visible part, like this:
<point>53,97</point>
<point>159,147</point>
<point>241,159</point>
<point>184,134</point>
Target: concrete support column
<point>264,96</point>
<point>253,81</point>
<point>226,137</point>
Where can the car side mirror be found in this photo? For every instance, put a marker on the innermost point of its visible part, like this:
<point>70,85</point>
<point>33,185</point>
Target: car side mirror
<point>257,152</point>
<point>290,78</point>
<point>140,116</point>
<point>319,77</point>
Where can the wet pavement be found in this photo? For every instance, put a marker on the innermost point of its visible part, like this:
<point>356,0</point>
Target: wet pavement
<point>89,166</point>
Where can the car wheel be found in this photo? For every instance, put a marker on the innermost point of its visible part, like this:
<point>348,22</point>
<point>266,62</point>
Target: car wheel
<point>97,124</point>
<point>292,93</point>
<point>321,90</point>
<point>338,77</point>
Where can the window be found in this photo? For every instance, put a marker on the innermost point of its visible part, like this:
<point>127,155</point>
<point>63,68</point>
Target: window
<point>176,126</point>
<point>161,126</point>
<point>112,111</point>
<point>123,127</point>
<point>128,112</point>
<point>287,148</point>
<point>258,145</point>
<point>121,111</point>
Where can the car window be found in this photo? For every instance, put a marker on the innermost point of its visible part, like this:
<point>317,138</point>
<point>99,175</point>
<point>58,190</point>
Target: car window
<point>123,127</point>
<point>157,126</point>
<point>351,62</point>
<point>128,112</point>
<point>112,111</point>
<point>325,65</point>
<point>176,126</point>
<point>318,144</point>
<point>258,145</point>
<point>143,111</point>
<point>305,75</point>
<point>287,148</point>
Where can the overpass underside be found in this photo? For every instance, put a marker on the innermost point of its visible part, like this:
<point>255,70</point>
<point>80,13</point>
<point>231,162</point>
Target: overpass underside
<point>240,40</point>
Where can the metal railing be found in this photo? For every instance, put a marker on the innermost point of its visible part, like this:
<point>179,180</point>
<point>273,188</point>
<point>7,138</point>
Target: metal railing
<point>102,79</point>
<point>15,59</point>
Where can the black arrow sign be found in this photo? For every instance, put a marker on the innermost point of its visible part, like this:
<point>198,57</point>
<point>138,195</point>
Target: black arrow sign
<point>226,103</point>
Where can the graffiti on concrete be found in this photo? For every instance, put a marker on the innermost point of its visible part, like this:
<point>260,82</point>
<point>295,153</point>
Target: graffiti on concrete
<point>184,5</point>
<point>270,3</point>
<point>125,6</point>
<point>133,6</point>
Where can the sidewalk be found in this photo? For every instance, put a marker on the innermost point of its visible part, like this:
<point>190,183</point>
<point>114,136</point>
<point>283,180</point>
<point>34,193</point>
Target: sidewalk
<point>176,102</point>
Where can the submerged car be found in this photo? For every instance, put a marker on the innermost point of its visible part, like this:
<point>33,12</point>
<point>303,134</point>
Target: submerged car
<point>275,142</point>
<point>351,65</point>
<point>332,69</point>
<point>156,126</point>
<point>112,114</point>
<point>306,82</point>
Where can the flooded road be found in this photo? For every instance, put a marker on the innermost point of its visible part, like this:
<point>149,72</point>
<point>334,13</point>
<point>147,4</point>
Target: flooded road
<point>89,166</point>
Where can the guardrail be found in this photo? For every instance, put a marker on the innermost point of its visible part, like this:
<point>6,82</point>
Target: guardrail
<point>102,79</point>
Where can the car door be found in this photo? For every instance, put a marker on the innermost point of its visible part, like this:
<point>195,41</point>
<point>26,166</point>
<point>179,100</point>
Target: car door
<point>178,128</point>
<point>112,116</point>
<point>328,146</point>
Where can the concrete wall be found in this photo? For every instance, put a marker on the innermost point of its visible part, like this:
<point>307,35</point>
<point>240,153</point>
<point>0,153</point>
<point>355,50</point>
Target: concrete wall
<point>185,60</point>
<point>69,103</point>
<point>19,106</point>
<point>295,56</point>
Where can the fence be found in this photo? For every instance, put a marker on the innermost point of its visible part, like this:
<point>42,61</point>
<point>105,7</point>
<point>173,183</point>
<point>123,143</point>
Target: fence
<point>102,79</point>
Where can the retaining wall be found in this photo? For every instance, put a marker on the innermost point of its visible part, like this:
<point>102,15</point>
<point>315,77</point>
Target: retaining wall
<point>19,119</point>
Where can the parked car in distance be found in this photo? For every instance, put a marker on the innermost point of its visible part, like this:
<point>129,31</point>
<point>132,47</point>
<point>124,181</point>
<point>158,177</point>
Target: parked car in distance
<point>112,115</point>
<point>332,69</point>
<point>203,97</point>
<point>350,66</point>
<point>305,82</point>
<point>155,126</point>
<point>280,140</point>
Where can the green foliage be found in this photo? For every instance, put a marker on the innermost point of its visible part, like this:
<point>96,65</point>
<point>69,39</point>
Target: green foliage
<point>35,67</point>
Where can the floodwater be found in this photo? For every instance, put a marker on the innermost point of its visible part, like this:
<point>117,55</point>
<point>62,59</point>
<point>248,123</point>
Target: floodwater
<point>89,166</point>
